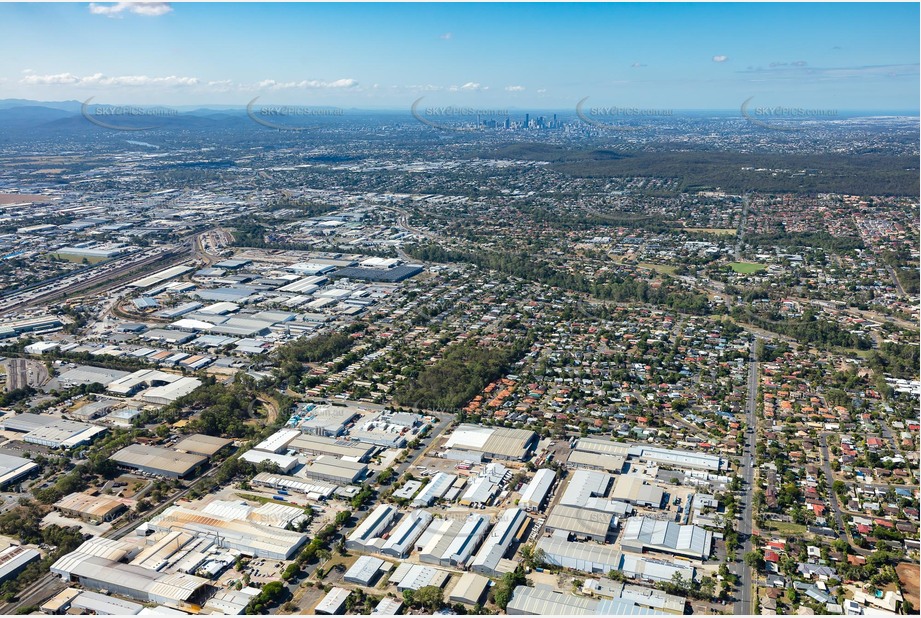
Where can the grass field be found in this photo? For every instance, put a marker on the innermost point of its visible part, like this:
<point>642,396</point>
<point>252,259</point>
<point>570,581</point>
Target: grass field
<point>719,231</point>
<point>746,268</point>
<point>262,499</point>
<point>664,269</point>
<point>78,259</point>
<point>785,528</point>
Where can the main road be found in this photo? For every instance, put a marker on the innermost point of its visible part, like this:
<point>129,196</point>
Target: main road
<point>743,604</point>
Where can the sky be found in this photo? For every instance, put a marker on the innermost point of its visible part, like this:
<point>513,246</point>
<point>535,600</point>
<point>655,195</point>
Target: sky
<point>675,56</point>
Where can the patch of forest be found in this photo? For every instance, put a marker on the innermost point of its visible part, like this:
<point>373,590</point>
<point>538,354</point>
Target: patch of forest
<point>864,174</point>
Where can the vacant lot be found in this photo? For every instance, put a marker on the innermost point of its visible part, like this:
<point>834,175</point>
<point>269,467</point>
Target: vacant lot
<point>908,577</point>
<point>719,231</point>
<point>19,198</point>
<point>746,268</point>
<point>786,528</point>
<point>664,269</point>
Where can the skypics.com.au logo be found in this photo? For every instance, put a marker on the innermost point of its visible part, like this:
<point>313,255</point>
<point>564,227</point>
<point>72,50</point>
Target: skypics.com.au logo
<point>781,118</point>
<point>605,117</point>
<point>125,117</point>
<point>455,118</point>
<point>290,117</point>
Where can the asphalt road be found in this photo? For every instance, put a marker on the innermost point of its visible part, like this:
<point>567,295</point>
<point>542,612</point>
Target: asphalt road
<point>744,603</point>
<point>833,499</point>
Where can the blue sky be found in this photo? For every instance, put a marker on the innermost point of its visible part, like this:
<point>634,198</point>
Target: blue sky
<point>843,56</point>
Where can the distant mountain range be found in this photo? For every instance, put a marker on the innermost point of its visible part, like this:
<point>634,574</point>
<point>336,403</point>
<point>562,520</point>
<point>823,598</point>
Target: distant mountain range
<point>48,117</point>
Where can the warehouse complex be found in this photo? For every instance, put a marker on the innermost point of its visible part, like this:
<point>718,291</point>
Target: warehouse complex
<point>98,564</point>
<point>253,532</point>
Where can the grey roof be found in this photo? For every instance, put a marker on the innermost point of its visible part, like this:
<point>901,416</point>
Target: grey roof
<point>537,489</point>
<point>580,521</point>
<point>156,458</point>
<point>364,570</point>
<point>201,444</point>
<point>647,533</point>
<point>498,541</point>
<point>587,557</point>
<point>326,466</point>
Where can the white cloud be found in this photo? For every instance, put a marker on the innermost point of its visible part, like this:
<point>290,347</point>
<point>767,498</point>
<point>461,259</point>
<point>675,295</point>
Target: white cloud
<point>720,58</point>
<point>447,36</point>
<point>470,87</point>
<point>98,79</point>
<point>148,9</point>
<point>307,84</point>
<point>515,88</point>
<point>637,65</point>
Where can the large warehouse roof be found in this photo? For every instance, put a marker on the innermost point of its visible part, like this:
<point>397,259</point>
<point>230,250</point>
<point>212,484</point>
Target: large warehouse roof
<point>633,489</point>
<point>201,444</point>
<point>645,533</point>
<point>93,506</point>
<point>248,537</point>
<point>580,521</point>
<point>321,445</point>
<point>62,433</point>
<point>327,467</point>
<point>145,584</point>
<point>169,393</point>
<point>681,459</point>
<point>497,441</point>
<point>534,494</point>
<point>156,459</point>
<point>587,557</point>
<point>26,422</point>
<point>295,483</point>
<point>545,601</point>
<point>13,468</point>
<point>606,447</point>
<point>584,485</point>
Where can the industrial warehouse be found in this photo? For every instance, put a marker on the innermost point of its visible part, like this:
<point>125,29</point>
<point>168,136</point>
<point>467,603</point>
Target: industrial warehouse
<point>158,461</point>
<point>253,532</point>
<point>491,442</point>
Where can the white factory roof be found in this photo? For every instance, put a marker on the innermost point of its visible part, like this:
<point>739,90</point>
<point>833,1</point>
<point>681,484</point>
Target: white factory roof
<point>14,558</point>
<point>374,524</point>
<point>401,539</point>
<point>333,602</point>
<point>364,570</point>
<point>580,521</point>
<point>295,483</point>
<point>105,605</point>
<point>410,576</point>
<point>387,607</point>
<point>160,277</point>
<point>13,468</point>
<point>681,459</point>
<point>255,457</point>
<point>171,392</point>
<point>278,441</point>
<point>536,490</point>
<point>498,541</point>
<point>437,487</point>
<point>588,557</point>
